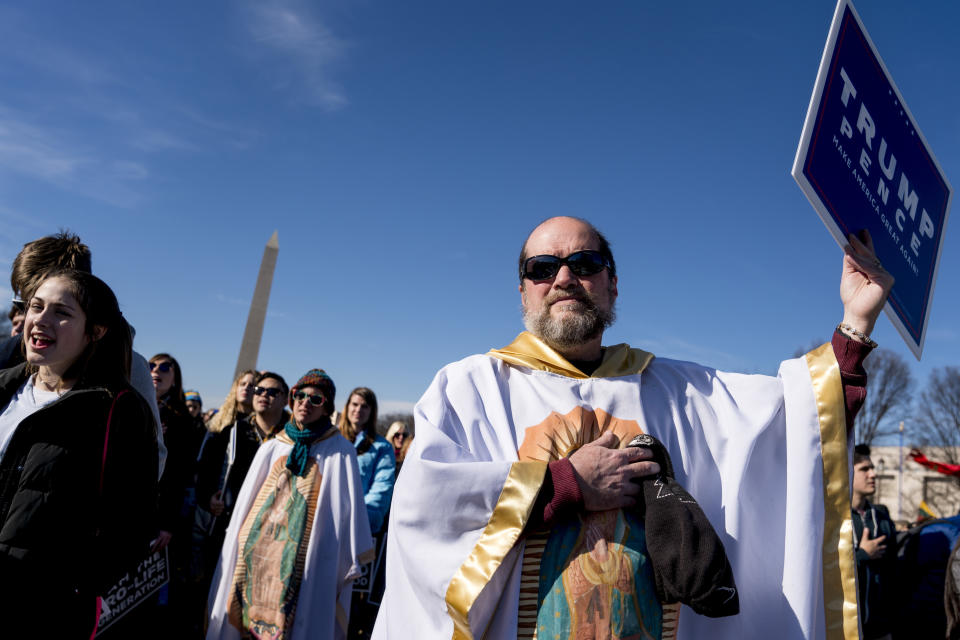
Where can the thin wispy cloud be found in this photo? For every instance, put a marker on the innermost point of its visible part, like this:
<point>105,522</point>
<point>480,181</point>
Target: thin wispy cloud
<point>31,150</point>
<point>78,119</point>
<point>305,47</point>
<point>236,136</point>
<point>13,223</point>
<point>20,44</point>
<point>237,302</point>
<point>157,140</point>
<point>39,152</point>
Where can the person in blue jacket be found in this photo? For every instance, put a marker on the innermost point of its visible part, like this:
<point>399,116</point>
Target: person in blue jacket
<point>358,423</point>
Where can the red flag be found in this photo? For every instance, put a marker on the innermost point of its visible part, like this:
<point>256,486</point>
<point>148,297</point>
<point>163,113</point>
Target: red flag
<point>941,467</point>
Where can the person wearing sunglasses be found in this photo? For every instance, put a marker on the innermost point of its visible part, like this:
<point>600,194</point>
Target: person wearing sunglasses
<point>400,437</point>
<point>299,531</point>
<point>269,401</point>
<point>183,438</point>
<point>522,452</point>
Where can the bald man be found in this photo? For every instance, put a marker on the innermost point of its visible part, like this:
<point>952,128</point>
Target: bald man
<point>513,517</point>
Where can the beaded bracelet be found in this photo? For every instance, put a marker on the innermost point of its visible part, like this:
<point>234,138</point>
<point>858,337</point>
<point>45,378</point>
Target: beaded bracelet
<point>856,333</point>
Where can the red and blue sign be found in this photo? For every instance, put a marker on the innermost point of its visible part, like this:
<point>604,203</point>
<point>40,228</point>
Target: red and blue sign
<point>864,164</point>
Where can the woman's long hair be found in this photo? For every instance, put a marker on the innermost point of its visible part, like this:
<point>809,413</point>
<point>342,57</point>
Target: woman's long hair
<point>174,397</point>
<point>104,362</point>
<point>228,411</point>
<point>369,429</point>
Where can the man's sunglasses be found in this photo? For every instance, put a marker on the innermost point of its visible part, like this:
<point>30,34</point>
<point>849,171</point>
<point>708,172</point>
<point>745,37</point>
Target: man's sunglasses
<point>315,399</point>
<point>270,391</point>
<point>162,367</point>
<point>580,263</point>
<point>18,304</point>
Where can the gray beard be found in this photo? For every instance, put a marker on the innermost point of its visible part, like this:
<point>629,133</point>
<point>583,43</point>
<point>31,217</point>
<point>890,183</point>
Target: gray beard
<point>572,329</point>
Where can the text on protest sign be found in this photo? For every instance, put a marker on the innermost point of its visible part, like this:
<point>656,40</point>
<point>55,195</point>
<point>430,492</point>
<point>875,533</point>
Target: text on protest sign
<point>864,164</point>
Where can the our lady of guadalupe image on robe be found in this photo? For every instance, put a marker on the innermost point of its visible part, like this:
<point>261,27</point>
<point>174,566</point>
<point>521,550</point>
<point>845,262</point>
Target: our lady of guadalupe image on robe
<point>594,576</point>
<point>294,545</point>
<point>273,544</point>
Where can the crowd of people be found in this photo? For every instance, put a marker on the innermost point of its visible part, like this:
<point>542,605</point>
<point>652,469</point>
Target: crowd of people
<point>107,461</point>
<point>557,487</point>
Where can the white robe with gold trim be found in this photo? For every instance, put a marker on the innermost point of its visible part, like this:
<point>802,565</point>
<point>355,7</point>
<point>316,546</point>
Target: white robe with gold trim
<point>340,541</point>
<point>749,448</point>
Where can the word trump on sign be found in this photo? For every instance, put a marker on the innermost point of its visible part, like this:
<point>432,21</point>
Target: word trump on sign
<point>887,163</point>
<point>863,163</point>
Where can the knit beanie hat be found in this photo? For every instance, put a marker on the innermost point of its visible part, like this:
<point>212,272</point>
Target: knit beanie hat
<point>316,378</point>
<point>192,395</point>
<point>689,563</point>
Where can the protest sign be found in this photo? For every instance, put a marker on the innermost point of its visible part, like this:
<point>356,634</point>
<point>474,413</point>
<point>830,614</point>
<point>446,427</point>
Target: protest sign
<point>133,588</point>
<point>864,164</point>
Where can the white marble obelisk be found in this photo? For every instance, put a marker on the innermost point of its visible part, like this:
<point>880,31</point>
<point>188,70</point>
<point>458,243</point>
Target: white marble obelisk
<point>250,347</point>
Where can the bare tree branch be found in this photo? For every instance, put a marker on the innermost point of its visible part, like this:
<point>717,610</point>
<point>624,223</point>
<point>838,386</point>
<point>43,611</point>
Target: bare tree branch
<point>938,417</point>
<point>889,383</point>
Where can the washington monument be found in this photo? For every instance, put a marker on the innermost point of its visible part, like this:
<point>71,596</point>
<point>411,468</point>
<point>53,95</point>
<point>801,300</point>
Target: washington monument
<point>250,346</point>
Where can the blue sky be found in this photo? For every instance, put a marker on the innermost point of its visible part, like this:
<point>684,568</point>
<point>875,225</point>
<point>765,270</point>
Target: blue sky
<point>403,151</point>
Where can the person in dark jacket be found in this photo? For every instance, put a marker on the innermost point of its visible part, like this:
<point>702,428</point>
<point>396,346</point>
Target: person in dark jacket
<point>875,540</point>
<point>225,455</point>
<point>35,260</point>
<point>78,462</point>
<point>176,509</point>
<point>923,554</point>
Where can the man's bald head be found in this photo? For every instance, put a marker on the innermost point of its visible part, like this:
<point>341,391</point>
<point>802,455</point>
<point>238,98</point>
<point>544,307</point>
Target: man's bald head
<point>570,306</point>
<point>560,224</point>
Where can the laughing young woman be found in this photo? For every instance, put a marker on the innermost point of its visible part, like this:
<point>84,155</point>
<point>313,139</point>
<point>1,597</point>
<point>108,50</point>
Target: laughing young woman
<point>78,461</point>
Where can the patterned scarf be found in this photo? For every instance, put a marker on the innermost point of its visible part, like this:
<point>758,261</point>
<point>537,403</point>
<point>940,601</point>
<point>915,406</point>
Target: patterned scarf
<point>302,439</point>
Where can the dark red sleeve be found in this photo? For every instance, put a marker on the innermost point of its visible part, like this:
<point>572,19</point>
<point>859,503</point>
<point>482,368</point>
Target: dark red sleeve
<point>850,354</point>
<point>559,496</point>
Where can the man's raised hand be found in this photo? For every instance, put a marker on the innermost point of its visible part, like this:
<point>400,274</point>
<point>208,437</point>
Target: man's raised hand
<point>864,283</point>
<point>604,472</point>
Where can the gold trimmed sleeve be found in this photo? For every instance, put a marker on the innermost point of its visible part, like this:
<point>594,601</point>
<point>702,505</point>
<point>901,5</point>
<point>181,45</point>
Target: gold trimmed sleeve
<point>839,569</point>
<point>510,516</point>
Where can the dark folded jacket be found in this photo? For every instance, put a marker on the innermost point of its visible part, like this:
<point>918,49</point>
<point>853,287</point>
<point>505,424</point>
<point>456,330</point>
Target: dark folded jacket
<point>689,563</point>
